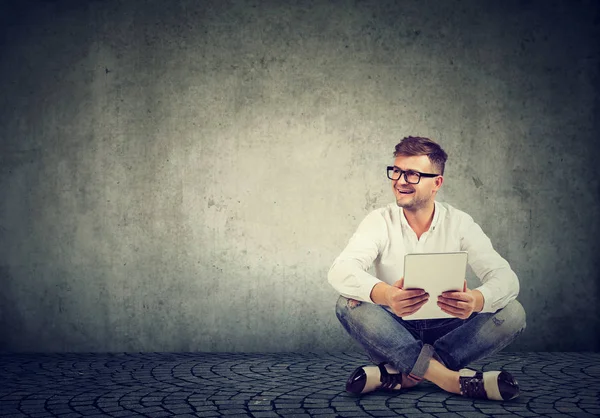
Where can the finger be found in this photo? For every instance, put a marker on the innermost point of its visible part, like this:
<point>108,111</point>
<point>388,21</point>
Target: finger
<point>414,301</point>
<point>413,309</point>
<point>402,300</point>
<point>444,301</point>
<point>460,304</point>
<point>454,304</point>
<point>451,310</point>
<point>411,293</point>
<point>459,311</point>
<point>405,304</point>
<point>465,286</point>
<point>456,295</point>
<point>399,283</point>
<point>453,314</point>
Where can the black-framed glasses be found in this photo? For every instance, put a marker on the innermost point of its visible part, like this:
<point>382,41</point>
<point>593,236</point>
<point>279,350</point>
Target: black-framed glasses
<point>411,176</point>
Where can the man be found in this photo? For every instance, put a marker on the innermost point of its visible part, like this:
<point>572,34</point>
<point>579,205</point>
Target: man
<point>371,308</point>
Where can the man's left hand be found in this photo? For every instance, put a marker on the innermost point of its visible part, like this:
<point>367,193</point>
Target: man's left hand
<point>458,304</point>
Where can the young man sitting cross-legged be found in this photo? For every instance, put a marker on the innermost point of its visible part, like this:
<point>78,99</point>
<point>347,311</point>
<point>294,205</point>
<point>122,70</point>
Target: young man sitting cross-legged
<point>371,308</point>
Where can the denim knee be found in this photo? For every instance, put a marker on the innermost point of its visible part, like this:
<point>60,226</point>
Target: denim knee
<point>340,307</point>
<point>343,305</point>
<point>481,335</point>
<point>512,317</point>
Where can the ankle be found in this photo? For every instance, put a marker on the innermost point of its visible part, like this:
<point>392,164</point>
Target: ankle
<point>443,377</point>
<point>408,382</point>
<point>454,384</point>
<point>450,383</point>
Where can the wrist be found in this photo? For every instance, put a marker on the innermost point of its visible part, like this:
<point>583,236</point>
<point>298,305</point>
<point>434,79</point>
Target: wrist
<point>378,293</point>
<point>479,300</point>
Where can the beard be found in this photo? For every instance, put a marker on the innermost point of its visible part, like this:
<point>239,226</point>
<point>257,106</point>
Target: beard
<point>416,203</point>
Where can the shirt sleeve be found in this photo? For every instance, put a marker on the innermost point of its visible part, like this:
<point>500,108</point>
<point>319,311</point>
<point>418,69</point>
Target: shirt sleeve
<point>500,284</point>
<point>348,274</point>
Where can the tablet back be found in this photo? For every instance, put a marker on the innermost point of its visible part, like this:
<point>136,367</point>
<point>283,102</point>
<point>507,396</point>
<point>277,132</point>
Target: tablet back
<point>436,273</point>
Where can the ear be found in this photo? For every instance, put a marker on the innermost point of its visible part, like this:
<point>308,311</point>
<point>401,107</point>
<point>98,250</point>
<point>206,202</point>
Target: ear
<point>438,182</point>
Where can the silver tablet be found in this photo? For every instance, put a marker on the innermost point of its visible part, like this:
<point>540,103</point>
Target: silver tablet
<point>436,273</point>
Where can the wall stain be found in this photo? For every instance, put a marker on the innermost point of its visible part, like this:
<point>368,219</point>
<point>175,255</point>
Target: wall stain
<point>370,201</point>
<point>217,206</point>
<point>521,192</point>
<point>478,183</point>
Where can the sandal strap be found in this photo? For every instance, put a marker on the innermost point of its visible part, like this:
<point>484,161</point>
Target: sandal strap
<point>473,386</point>
<point>389,381</point>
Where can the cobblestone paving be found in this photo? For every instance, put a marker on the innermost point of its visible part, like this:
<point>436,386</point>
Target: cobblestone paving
<point>274,385</point>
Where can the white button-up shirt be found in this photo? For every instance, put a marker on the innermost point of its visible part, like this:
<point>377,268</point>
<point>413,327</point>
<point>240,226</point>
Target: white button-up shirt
<point>384,237</point>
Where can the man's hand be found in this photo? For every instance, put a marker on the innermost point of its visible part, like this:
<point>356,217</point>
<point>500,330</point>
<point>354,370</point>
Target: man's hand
<point>403,302</point>
<point>461,304</point>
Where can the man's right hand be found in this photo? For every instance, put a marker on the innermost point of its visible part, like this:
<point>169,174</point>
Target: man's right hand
<point>401,302</point>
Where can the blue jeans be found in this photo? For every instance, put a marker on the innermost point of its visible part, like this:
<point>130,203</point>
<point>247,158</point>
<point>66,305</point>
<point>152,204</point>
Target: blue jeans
<point>409,345</point>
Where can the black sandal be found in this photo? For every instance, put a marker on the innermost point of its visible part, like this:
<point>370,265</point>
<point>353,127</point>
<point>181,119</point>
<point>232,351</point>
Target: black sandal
<point>495,385</point>
<point>369,378</point>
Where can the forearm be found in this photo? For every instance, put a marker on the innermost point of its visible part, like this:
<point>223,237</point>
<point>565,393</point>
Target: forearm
<point>378,293</point>
<point>351,281</point>
<point>499,283</point>
<point>349,273</point>
<point>498,290</point>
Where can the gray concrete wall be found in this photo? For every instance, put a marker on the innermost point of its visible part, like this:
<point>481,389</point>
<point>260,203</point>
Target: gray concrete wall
<point>180,175</point>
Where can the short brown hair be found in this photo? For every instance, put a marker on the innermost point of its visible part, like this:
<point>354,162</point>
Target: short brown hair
<point>416,145</point>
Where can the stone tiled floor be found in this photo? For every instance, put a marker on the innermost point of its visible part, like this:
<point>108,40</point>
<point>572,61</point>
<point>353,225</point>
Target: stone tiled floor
<point>274,385</point>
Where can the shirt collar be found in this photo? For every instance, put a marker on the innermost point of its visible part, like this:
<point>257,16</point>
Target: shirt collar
<point>436,216</point>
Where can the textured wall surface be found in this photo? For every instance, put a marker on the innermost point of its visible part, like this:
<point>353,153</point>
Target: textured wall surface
<point>180,175</point>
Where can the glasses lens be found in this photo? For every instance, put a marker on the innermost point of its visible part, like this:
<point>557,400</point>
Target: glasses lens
<point>393,173</point>
<point>412,177</point>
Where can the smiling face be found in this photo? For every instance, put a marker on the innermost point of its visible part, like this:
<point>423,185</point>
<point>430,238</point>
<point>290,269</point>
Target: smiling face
<point>414,197</point>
